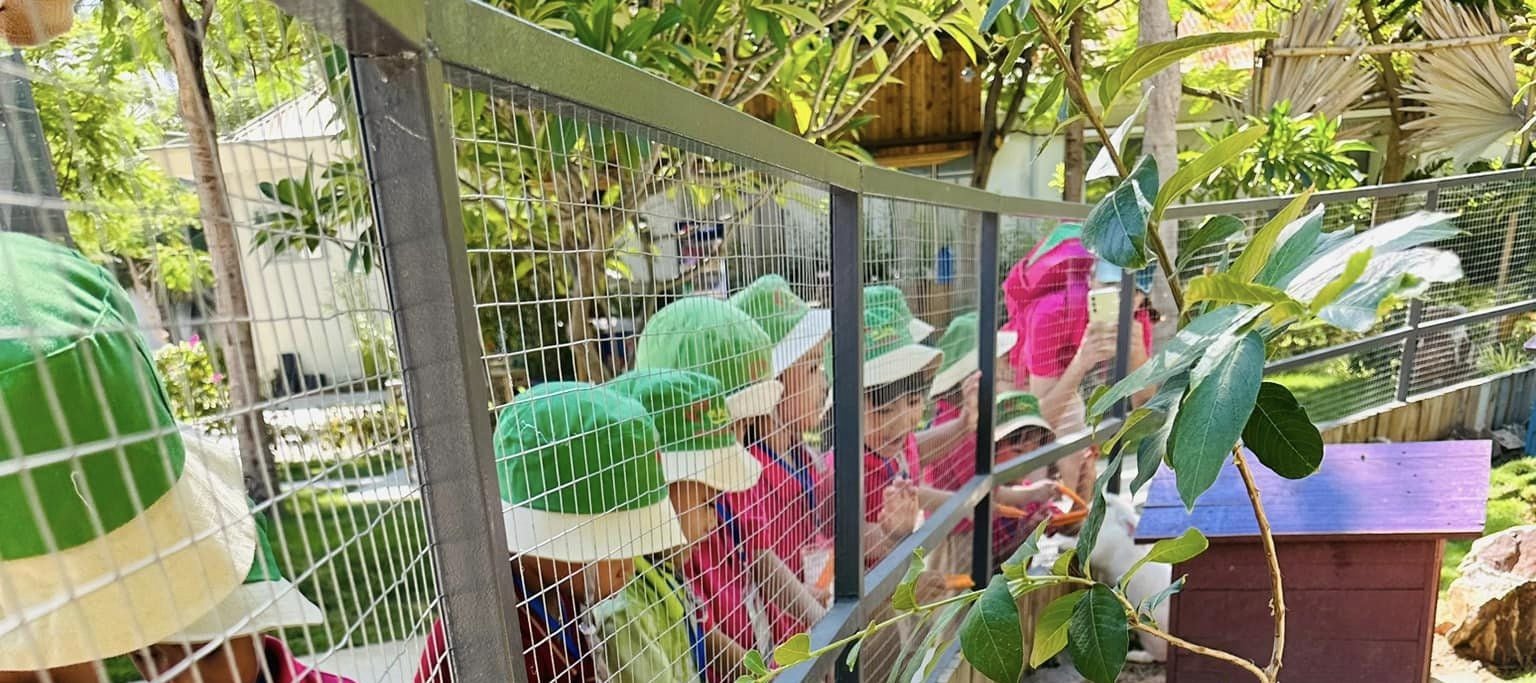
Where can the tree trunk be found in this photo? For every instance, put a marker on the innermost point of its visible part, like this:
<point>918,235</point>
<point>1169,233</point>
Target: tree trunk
<point>1161,142</point>
<point>1074,158</point>
<point>184,37</point>
<point>1394,164</point>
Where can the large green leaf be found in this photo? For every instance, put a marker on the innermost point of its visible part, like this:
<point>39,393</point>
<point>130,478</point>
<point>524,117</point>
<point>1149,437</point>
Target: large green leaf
<point>1151,451</point>
<point>1184,548</point>
<point>1224,288</point>
<point>793,651</point>
<point>1051,628</point>
<point>1116,228</point>
<point>1214,230</point>
<point>1088,535</point>
<point>1281,435</point>
<point>1150,59</point>
<point>1017,564</point>
<point>1187,346</point>
<point>1099,635</point>
<point>1193,173</point>
<point>1213,414</point>
<point>1352,272</point>
<point>1251,262</point>
<point>991,637</point>
<point>1392,236</point>
<point>1293,249</point>
<point>1389,277</point>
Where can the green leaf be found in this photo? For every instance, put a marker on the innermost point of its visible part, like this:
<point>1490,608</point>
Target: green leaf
<point>1150,59</point>
<point>1116,228</point>
<point>1281,435</point>
<point>754,662</point>
<point>1064,563</point>
<point>1152,450</point>
<point>990,636</point>
<point>1017,564</point>
<point>1251,261</point>
<point>795,12</point>
<point>1088,535</point>
<point>1170,551</point>
<point>802,112</point>
<point>1193,173</point>
<point>1098,636</point>
<point>1212,416</point>
<point>905,597</point>
<point>1016,47</point>
<point>1103,165</point>
<point>995,8</point>
<point>1186,346</point>
<point>1216,229</point>
<point>793,651</point>
<point>1223,288</point>
<point>1140,424</point>
<point>1051,628</point>
<point>1150,604</point>
<point>924,658</point>
<point>1352,272</point>
<point>1388,278</point>
<point>1294,249</point>
<point>1388,238</point>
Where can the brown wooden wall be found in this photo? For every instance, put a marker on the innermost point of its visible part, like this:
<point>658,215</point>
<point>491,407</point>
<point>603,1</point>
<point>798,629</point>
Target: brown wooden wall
<point>933,113</point>
<point>1476,409</point>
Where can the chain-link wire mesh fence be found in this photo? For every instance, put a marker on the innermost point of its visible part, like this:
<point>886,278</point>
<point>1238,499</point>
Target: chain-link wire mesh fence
<point>530,380</point>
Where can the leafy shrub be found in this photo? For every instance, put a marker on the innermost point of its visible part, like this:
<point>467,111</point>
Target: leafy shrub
<point>197,389</point>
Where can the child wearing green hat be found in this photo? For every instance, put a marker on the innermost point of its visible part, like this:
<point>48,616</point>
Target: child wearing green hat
<point>717,339</point>
<point>645,625</point>
<point>266,602</point>
<point>783,515</point>
<point>583,494</point>
<point>112,534</point>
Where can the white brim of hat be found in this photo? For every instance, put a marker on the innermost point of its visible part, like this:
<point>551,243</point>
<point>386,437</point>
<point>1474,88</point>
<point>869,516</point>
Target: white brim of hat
<point>755,399</point>
<point>919,329</point>
<point>252,609</point>
<point>120,592</point>
<point>1016,424</point>
<point>947,378</point>
<point>582,538</point>
<point>807,333</point>
<point>731,469</point>
<point>902,362</point>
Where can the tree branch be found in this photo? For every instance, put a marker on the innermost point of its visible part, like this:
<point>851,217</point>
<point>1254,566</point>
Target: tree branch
<point>1202,650</point>
<point>1212,95</point>
<point>1268,537</point>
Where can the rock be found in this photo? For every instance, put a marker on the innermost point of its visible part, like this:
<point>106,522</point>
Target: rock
<point>1489,613</point>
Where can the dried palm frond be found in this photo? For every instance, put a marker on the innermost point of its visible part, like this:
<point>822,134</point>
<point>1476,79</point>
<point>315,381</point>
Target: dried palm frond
<point>1465,94</point>
<point>1313,84</point>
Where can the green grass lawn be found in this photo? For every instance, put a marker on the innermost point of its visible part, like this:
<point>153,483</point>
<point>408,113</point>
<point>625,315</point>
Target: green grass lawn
<point>1328,396</point>
<point>1511,502</point>
<point>364,564</point>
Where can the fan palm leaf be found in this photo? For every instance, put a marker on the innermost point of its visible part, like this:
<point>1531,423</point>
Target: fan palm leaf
<point>1465,95</point>
<point>1314,84</point>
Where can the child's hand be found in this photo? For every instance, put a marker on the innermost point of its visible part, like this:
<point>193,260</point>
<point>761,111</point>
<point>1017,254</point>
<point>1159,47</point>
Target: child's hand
<point>970,392</point>
<point>898,517</point>
<point>1043,491</point>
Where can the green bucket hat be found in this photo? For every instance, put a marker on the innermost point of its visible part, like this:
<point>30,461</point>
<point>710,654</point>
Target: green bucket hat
<point>1017,410</point>
<point>581,477</point>
<point>960,345</point>
<point>791,323</point>
<point>715,338</point>
<point>267,601</point>
<point>888,296</point>
<point>697,443</point>
<point>889,351</point>
<point>137,538</point>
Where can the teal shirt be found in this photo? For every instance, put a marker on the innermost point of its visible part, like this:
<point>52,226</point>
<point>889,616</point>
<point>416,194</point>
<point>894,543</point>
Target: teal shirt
<point>650,630</point>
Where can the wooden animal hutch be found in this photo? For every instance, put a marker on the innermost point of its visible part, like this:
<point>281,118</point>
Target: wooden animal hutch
<point>1360,544</point>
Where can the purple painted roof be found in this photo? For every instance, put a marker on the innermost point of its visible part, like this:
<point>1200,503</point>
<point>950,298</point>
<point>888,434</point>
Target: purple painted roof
<point>1431,488</point>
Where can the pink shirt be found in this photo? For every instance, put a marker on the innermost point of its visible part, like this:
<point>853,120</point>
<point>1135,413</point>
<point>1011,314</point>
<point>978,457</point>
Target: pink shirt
<point>956,467</point>
<point>717,569</point>
<point>778,516</point>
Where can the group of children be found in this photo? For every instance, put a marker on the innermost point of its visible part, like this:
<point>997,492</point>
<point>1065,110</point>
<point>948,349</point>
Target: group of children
<point>660,526</point>
<point>665,523</point>
<point>120,534</point>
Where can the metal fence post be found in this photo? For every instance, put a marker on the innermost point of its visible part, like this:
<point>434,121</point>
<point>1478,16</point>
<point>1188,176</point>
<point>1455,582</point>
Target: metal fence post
<point>986,400</point>
<point>1124,337</point>
<point>848,401</point>
<point>1415,316</point>
<point>407,142</point>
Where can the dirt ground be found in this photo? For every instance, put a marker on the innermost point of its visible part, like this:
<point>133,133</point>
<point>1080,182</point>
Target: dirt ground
<point>1133,673</point>
<point>1448,667</point>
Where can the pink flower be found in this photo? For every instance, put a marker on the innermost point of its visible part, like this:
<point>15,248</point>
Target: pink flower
<point>218,377</point>
<point>194,340</point>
